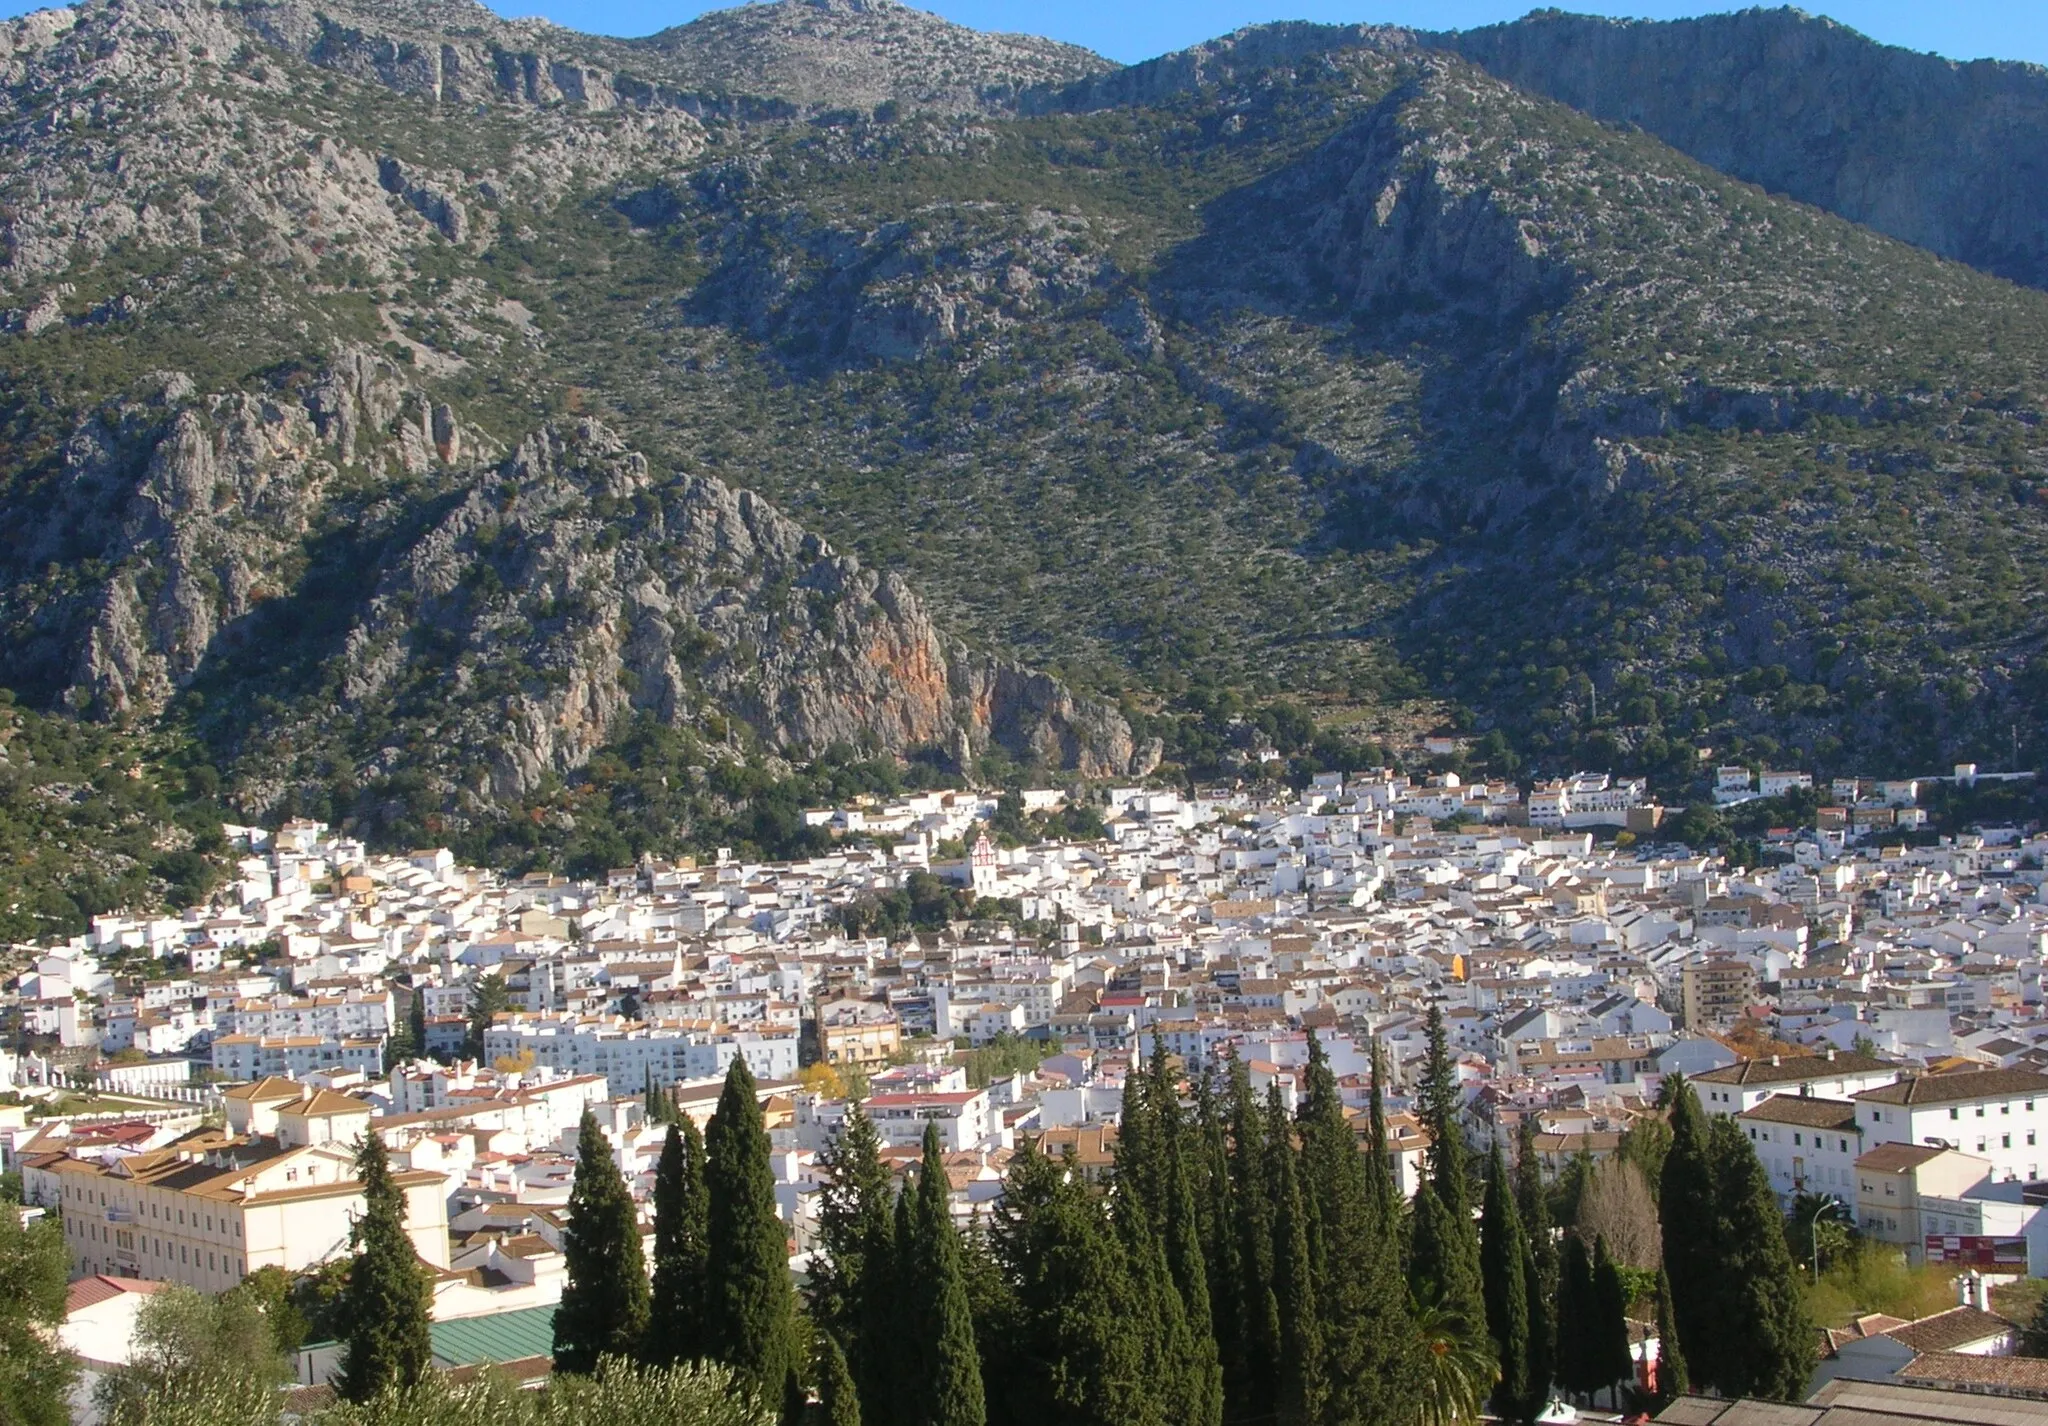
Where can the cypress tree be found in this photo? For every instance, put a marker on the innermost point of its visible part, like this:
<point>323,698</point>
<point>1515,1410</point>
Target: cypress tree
<point>750,1310</point>
<point>1386,1194</point>
<point>682,1209</point>
<point>1503,1269</point>
<point>1689,1206</point>
<point>852,1294</point>
<point>1185,1258</point>
<point>604,1307</point>
<point>1769,1347</point>
<point>942,1370</point>
<point>1300,1366</point>
<point>385,1306</point>
<point>838,1397</point>
<point>1371,1367</point>
<point>1578,1365</point>
<point>1258,1325</point>
<point>1218,1226</point>
<point>1078,1321</point>
<point>1447,1263</point>
<point>1672,1378</point>
<point>1608,1348</point>
<point>1541,1269</point>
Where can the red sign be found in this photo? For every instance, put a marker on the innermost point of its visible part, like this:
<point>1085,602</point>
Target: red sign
<point>2004,1254</point>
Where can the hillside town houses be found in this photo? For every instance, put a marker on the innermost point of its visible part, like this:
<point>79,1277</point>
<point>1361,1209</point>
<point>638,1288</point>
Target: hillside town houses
<point>1871,1014</point>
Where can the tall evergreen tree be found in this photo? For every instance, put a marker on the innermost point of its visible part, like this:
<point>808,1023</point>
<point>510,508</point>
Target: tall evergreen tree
<point>1769,1347</point>
<point>604,1306</point>
<point>490,999</point>
<point>1217,1223</point>
<point>941,1383</point>
<point>1179,1227</point>
<point>1608,1347</point>
<point>1385,1193</point>
<point>1673,1381</point>
<point>682,1211</point>
<point>385,1308</point>
<point>1689,1207</point>
<point>852,1291</point>
<point>1503,1271</point>
<point>1372,1357</point>
<point>1257,1384</point>
<point>1078,1318</point>
<point>1542,1268</point>
<point>750,1310</point>
<point>838,1397</point>
<point>1445,1263</point>
<point>1578,1364</point>
<point>1301,1383</point>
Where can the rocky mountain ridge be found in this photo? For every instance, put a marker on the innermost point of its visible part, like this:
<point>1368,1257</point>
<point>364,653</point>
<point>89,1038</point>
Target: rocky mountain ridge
<point>387,418</point>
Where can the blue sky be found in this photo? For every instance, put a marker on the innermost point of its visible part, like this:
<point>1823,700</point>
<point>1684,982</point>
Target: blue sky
<point>1137,29</point>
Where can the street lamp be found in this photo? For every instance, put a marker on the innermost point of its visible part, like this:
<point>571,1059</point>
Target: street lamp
<point>1829,1205</point>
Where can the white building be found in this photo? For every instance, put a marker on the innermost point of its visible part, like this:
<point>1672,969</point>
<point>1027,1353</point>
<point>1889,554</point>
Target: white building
<point>1996,1115</point>
<point>1807,1145</point>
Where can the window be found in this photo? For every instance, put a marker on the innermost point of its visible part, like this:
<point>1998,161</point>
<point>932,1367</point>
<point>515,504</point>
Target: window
<point>1980,1111</point>
<point>1955,1114</point>
<point>1796,1140</point>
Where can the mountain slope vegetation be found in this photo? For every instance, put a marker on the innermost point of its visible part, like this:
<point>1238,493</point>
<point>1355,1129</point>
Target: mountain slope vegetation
<point>442,422</point>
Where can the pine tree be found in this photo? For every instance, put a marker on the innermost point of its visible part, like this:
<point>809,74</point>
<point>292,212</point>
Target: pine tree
<point>1672,1378</point>
<point>750,1309</point>
<point>490,999</point>
<point>1608,1348</point>
<point>385,1309</point>
<point>941,1385</point>
<point>1442,1104</point>
<point>1689,1206</point>
<point>682,1207</point>
<point>1769,1347</point>
<point>852,1292</point>
<point>604,1307</point>
<point>1578,1365</point>
<point>1503,1270</point>
<point>838,1397</point>
<point>1300,1366</point>
<point>1542,1266</point>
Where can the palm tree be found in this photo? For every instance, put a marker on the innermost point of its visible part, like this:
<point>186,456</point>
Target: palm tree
<point>1458,1369</point>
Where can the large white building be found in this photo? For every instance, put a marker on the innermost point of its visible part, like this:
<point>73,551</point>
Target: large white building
<point>276,1188</point>
<point>628,1053</point>
<point>1807,1145</point>
<point>1995,1115</point>
<point>247,1057</point>
<point>1832,1074</point>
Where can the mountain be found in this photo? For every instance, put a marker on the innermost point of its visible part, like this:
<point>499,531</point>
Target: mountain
<point>476,430</point>
<point>1952,157</point>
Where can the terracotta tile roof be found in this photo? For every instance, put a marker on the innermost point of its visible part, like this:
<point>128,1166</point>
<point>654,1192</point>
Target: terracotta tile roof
<point>89,1291</point>
<point>1966,1084</point>
<point>2022,1375</point>
<point>1839,1114</point>
<point>1897,1158</point>
<point>1787,1070</point>
<point>1946,1331</point>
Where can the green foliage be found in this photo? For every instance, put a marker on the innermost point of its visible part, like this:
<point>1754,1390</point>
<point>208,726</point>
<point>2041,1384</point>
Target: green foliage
<point>191,1348</point>
<point>1006,1054</point>
<point>1504,1267</point>
<point>384,1311</point>
<point>491,998</point>
<point>80,836</point>
<point>618,1394</point>
<point>35,1373</point>
<point>750,1310</point>
<point>682,1214</point>
<point>604,1307</point>
<point>855,1269</point>
<point>941,1366</point>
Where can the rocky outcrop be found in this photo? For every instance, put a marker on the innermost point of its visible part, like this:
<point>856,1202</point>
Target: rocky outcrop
<point>227,489</point>
<point>1953,157</point>
<point>579,586</point>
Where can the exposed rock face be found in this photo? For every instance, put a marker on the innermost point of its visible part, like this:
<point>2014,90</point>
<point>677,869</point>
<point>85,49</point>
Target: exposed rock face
<point>1953,157</point>
<point>227,489</point>
<point>795,56</point>
<point>596,588</point>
